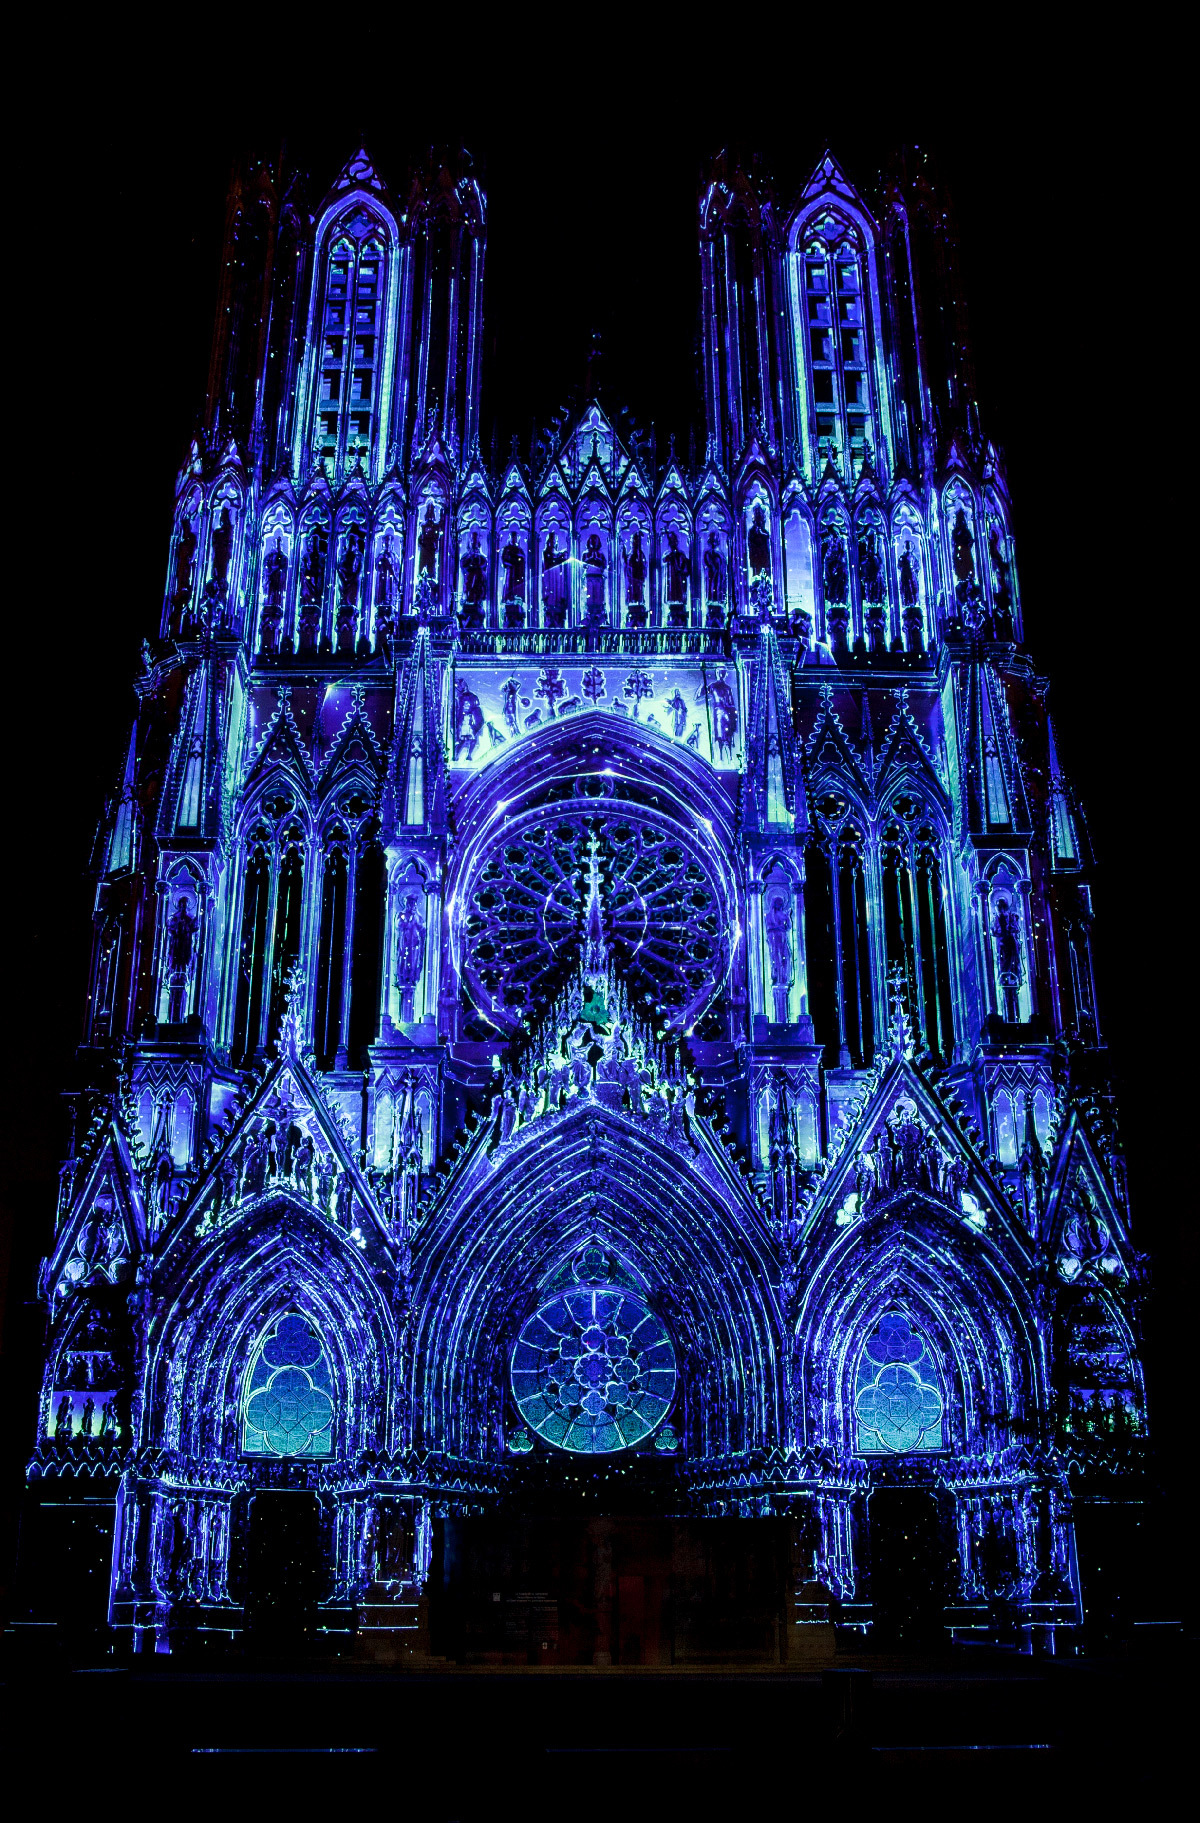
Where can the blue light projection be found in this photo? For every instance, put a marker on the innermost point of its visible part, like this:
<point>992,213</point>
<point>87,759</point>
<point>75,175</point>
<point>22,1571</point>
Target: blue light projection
<point>289,1403</point>
<point>897,1402</point>
<point>596,884</point>
<point>594,1371</point>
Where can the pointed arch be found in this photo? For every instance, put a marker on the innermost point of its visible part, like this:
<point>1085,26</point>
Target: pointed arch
<point>225,1293</point>
<point>708,1279</point>
<point>957,1293</point>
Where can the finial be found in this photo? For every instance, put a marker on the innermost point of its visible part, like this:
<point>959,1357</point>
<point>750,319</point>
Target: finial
<point>902,1032</point>
<point>595,953</point>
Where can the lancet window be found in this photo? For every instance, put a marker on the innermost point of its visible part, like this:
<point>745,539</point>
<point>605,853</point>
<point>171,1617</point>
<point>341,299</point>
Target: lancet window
<point>835,349</point>
<point>914,923</point>
<point>838,945</point>
<point>351,345</point>
<point>349,944</point>
<point>288,1406</point>
<point>272,913</point>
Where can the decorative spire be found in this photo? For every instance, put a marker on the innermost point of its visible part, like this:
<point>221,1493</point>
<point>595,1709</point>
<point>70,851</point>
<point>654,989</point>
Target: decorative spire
<point>902,1032</point>
<point>595,948</point>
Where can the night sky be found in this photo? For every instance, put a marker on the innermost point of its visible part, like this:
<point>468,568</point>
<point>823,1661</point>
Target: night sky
<point>1059,164</point>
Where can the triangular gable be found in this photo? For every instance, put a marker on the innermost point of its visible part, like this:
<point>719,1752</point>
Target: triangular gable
<point>283,1138</point>
<point>281,748</point>
<point>355,746</point>
<point>358,173</point>
<point>828,745</point>
<point>903,1140</point>
<point>104,1229</point>
<point>903,752</point>
<point>1084,1228</point>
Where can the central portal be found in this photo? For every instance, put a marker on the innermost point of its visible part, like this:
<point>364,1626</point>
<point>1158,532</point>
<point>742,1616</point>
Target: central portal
<point>619,1590</point>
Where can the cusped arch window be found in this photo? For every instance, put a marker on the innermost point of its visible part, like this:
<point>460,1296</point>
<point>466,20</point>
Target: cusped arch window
<point>593,1370</point>
<point>898,1403</point>
<point>288,1405</point>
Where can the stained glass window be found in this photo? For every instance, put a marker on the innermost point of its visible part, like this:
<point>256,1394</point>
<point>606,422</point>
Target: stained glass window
<point>289,1405</point>
<point>594,1370</point>
<point>897,1402</point>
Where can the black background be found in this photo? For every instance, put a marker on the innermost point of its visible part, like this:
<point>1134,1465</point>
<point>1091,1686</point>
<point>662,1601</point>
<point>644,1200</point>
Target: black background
<point>1062,158</point>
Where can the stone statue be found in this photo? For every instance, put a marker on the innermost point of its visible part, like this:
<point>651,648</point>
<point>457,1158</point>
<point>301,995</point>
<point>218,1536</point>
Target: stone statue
<point>833,568</point>
<point>513,559</point>
<point>963,547</point>
<point>385,579</point>
<point>1009,966</point>
<point>870,570</point>
<point>910,593</point>
<point>85,1421</point>
<point>635,572</point>
<point>222,543</point>
<point>554,583</point>
<point>714,570</point>
<point>777,921</point>
<point>410,954</point>
<point>677,564</point>
<point>758,544</point>
<point>275,572</point>
<point>63,1415</point>
<point>509,698</point>
<point>181,944</point>
<point>595,564</point>
<point>429,541</point>
<point>474,572</point>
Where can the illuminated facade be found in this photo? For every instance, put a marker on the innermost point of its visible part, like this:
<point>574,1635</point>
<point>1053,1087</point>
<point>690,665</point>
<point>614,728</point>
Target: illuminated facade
<point>592,956</point>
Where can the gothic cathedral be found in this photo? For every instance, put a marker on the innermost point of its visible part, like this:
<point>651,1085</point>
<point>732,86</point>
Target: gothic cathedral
<point>591,1014</point>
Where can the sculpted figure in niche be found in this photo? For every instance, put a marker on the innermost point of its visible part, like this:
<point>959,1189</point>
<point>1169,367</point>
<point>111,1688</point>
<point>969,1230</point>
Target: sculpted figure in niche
<point>474,572</point>
<point>714,570</point>
<point>870,570</point>
<point>833,570</point>
<point>429,543</point>
<point>513,559</point>
<point>910,594</point>
<point>758,544</point>
<point>595,564</point>
<point>275,575</point>
<point>222,541</point>
<point>385,582</point>
<point>410,953</point>
<point>778,923</point>
<point>554,583</point>
<point>1009,965</point>
<point>312,588</point>
<point>181,945</point>
<point>63,1415</point>
<point>677,564</point>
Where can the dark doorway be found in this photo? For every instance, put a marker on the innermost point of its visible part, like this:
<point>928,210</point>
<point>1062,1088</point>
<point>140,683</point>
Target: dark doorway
<point>909,1569</point>
<point>617,1590</point>
<point>284,1570</point>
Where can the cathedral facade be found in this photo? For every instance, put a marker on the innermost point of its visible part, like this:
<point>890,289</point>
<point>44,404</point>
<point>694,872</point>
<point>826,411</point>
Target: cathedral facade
<point>591,997</point>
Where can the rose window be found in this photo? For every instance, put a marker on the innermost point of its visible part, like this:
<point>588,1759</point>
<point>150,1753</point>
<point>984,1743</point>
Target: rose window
<point>663,900</point>
<point>594,1371</point>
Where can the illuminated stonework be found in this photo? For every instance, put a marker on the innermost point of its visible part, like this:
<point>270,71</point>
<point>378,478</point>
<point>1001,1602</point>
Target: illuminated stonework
<point>592,955</point>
